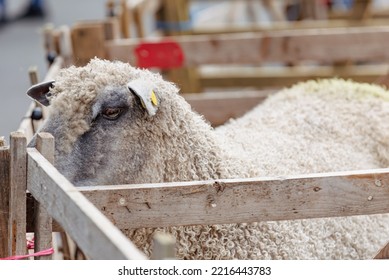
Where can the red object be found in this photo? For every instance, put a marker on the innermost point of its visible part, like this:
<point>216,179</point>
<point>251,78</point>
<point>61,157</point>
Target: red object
<point>38,254</point>
<point>30,245</point>
<point>164,55</point>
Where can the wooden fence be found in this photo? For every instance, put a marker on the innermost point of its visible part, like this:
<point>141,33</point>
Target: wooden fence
<point>332,46</point>
<point>93,216</point>
<point>35,197</point>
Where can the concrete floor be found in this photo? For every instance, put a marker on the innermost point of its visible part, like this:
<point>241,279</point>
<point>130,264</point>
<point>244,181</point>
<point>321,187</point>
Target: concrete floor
<point>21,47</point>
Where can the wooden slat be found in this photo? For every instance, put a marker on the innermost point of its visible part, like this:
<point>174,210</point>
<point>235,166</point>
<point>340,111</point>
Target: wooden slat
<point>87,42</point>
<point>125,18</point>
<point>245,200</point>
<point>26,126</point>
<point>383,253</point>
<point>90,229</point>
<point>4,200</point>
<point>285,25</point>
<point>43,221</point>
<point>54,69</point>
<point>219,107</point>
<point>286,76</point>
<point>17,201</point>
<point>292,46</point>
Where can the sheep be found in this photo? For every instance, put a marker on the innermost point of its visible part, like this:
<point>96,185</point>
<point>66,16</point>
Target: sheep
<point>116,124</point>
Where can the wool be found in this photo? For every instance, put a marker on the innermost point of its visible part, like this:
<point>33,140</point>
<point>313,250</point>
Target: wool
<point>316,126</point>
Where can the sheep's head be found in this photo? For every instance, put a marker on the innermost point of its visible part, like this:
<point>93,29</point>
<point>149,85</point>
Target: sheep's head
<point>105,117</point>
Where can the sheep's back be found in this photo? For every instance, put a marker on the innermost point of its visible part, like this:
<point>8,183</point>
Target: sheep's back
<point>330,125</point>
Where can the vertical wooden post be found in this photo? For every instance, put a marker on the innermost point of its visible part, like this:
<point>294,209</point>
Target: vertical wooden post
<point>43,222</point>
<point>4,198</point>
<point>163,247</point>
<point>17,198</point>
<point>87,42</point>
<point>125,19</point>
<point>361,10</point>
<point>111,29</point>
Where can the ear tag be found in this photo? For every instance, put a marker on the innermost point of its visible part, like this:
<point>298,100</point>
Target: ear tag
<point>154,98</point>
<point>40,91</point>
<point>144,90</point>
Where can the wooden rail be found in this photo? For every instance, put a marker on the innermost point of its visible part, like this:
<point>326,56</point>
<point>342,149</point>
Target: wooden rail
<point>292,46</point>
<point>286,25</point>
<point>84,212</point>
<point>244,200</point>
<point>91,230</point>
<point>276,77</point>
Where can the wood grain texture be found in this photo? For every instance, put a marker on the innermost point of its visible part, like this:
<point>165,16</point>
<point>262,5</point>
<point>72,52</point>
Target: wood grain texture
<point>285,25</point>
<point>264,77</point>
<point>245,200</point>
<point>4,200</point>
<point>43,221</point>
<point>383,253</point>
<point>292,46</point>
<point>17,201</point>
<point>91,230</point>
<point>87,42</point>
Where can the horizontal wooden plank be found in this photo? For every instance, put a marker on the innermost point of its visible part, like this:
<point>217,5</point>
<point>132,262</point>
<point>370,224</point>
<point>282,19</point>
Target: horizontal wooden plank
<point>245,200</point>
<point>284,25</point>
<point>90,229</point>
<point>219,107</point>
<point>287,46</point>
<point>262,77</point>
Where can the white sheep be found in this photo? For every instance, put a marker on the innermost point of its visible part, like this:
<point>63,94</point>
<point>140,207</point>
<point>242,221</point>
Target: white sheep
<point>115,124</point>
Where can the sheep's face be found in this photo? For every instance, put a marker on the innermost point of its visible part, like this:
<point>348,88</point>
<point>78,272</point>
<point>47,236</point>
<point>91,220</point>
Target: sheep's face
<point>103,123</point>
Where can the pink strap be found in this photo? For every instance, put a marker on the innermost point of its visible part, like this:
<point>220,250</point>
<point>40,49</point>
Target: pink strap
<point>30,245</point>
<point>37,254</point>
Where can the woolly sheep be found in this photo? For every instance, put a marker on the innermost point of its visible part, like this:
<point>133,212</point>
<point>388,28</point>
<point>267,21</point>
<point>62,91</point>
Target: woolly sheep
<point>108,134</point>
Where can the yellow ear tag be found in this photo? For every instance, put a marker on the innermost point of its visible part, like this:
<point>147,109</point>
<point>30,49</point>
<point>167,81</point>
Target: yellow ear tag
<point>154,98</point>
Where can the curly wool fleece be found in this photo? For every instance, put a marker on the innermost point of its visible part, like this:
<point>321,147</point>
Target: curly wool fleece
<point>312,127</point>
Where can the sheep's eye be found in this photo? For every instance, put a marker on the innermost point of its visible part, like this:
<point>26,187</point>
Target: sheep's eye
<point>111,113</point>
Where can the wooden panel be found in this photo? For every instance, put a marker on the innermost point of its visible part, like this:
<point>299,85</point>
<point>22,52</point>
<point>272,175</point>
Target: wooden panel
<point>286,76</point>
<point>383,253</point>
<point>90,229</point>
<point>43,222</point>
<point>87,42</point>
<point>292,46</point>
<point>219,107</point>
<point>285,25</point>
<point>17,201</point>
<point>31,216</point>
<point>246,200</point>
<point>4,200</point>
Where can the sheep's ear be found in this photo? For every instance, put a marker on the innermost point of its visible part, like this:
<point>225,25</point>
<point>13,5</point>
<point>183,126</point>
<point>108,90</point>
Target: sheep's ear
<point>39,92</point>
<point>145,92</point>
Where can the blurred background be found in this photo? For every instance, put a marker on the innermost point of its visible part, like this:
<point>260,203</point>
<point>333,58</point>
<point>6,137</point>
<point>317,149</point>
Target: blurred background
<point>21,46</point>
<point>21,39</point>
